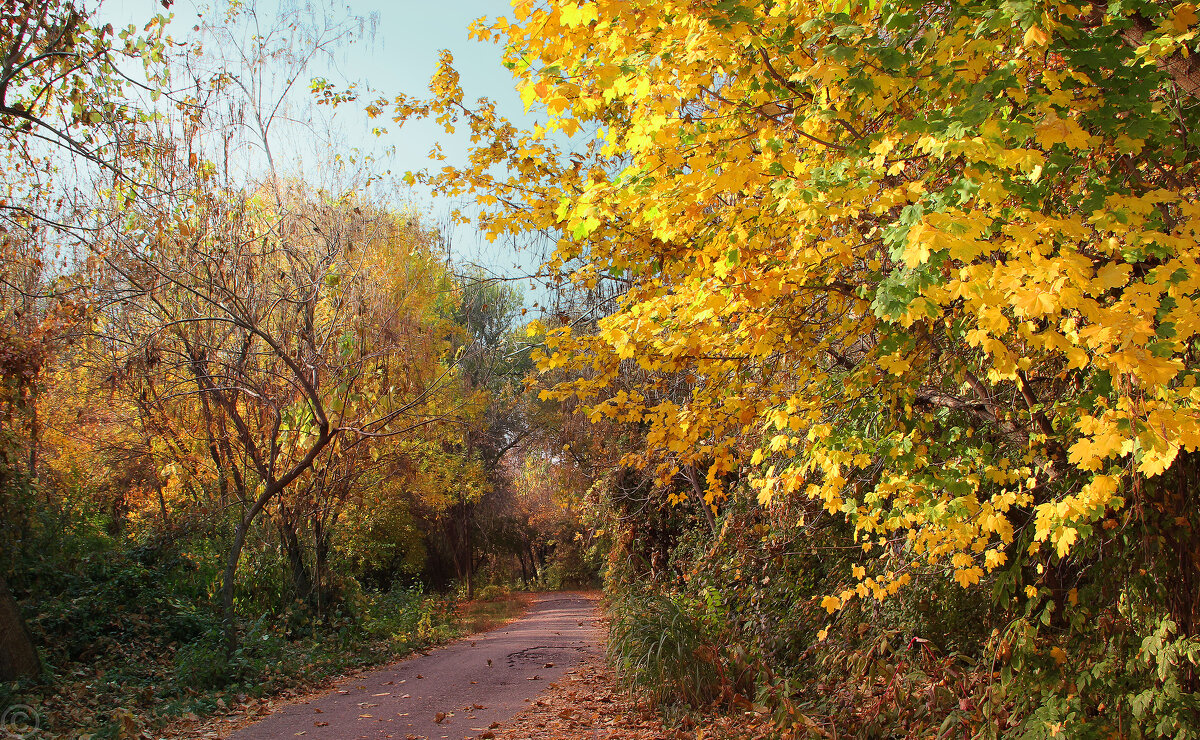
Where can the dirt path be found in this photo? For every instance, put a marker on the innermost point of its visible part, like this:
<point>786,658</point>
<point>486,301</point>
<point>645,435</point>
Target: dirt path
<point>465,690</point>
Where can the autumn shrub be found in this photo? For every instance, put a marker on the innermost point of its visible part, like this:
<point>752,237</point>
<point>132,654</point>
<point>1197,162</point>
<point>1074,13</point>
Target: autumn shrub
<point>405,617</point>
<point>93,596</point>
<point>491,591</point>
<point>1092,650</point>
<point>737,619</point>
<point>262,582</point>
<point>205,664</point>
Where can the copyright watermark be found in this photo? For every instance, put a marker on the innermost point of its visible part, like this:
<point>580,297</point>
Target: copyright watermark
<point>19,721</point>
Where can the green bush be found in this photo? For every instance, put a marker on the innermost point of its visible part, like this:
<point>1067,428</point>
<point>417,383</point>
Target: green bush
<point>205,664</point>
<point>409,618</point>
<point>490,592</point>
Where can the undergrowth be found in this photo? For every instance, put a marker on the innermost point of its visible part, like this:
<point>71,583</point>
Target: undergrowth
<point>131,641</point>
<point>731,621</point>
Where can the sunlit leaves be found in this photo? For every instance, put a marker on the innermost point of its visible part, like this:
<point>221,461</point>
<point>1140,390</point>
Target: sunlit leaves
<point>936,272</point>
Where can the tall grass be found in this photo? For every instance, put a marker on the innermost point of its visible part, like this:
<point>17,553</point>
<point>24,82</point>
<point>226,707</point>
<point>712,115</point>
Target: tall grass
<point>660,649</point>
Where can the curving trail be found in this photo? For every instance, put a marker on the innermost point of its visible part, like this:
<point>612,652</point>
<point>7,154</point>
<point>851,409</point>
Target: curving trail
<point>473,696</point>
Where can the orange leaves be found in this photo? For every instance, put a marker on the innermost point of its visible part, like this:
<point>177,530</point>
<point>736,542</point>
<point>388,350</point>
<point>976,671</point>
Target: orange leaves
<point>1183,17</point>
<point>1035,36</point>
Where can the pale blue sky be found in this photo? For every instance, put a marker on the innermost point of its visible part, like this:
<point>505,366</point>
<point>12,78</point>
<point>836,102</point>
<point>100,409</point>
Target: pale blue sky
<point>400,56</point>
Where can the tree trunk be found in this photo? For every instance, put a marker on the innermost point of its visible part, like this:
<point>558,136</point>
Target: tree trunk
<point>327,595</point>
<point>162,504</point>
<point>534,567</point>
<point>18,655</point>
<point>228,617</point>
<point>35,434</point>
<point>470,555</point>
<point>302,581</point>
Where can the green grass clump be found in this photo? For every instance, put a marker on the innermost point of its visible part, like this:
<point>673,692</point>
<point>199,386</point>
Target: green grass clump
<point>660,648</point>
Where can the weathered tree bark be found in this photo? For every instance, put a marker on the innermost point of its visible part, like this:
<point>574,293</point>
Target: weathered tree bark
<point>1183,68</point>
<point>18,655</point>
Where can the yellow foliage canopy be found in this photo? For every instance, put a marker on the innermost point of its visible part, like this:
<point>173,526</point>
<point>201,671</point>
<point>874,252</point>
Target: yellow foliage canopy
<point>935,270</point>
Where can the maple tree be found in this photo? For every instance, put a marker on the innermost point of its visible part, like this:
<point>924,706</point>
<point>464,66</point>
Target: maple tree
<point>937,255</point>
<point>929,265</point>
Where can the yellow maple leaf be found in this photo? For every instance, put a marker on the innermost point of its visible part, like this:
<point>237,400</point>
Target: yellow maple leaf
<point>1184,17</point>
<point>1059,655</point>
<point>916,249</point>
<point>1054,130</point>
<point>1035,36</point>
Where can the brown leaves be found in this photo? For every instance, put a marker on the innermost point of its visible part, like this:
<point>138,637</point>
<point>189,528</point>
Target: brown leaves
<point>588,703</point>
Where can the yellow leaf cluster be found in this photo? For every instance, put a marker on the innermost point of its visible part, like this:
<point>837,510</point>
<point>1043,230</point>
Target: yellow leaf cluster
<point>939,327</point>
